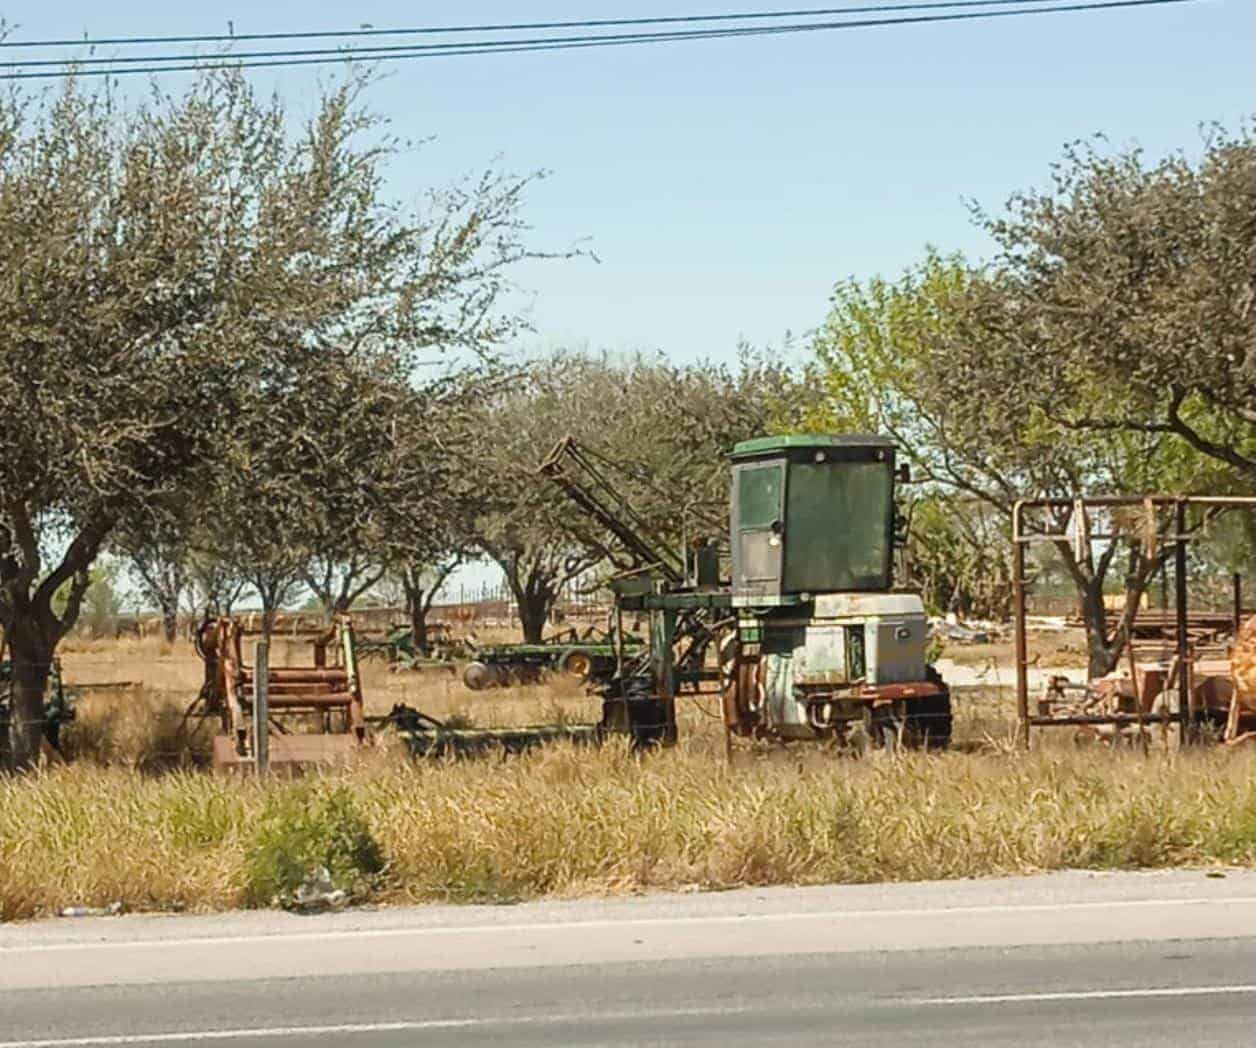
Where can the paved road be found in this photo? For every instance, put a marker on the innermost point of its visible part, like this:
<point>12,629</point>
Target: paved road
<point>1144,959</point>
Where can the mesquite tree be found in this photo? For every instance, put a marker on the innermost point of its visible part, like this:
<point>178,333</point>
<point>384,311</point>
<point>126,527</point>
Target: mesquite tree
<point>156,542</point>
<point>169,270</point>
<point>664,429</point>
<point>1127,295</point>
<point>909,358</point>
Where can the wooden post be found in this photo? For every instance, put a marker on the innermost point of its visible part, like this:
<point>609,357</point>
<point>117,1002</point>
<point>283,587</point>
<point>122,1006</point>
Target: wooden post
<point>261,708</point>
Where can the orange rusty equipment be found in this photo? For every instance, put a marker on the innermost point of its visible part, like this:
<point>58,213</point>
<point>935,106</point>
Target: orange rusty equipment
<point>316,711</point>
<point>1188,668</point>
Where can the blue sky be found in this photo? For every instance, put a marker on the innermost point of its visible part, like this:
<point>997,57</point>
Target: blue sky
<point>726,184</point>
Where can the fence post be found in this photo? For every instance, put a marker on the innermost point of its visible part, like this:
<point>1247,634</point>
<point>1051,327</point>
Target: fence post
<point>261,708</point>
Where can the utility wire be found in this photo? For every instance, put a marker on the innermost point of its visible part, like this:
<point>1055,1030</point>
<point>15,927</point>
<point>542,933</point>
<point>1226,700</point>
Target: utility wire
<point>510,27</point>
<point>418,50</point>
<point>320,56</point>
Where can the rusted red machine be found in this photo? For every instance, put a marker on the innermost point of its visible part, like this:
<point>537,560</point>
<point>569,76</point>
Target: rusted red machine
<point>315,712</point>
<point>1182,667</point>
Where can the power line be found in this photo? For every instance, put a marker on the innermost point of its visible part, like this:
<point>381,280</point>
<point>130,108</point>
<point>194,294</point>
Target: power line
<point>597,23</point>
<point>323,56</point>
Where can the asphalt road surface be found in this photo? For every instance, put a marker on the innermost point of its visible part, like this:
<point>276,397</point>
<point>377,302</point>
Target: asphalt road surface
<point>1073,959</point>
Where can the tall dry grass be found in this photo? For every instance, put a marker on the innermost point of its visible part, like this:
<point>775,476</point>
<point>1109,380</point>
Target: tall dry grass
<point>569,821</point>
<point>130,822</point>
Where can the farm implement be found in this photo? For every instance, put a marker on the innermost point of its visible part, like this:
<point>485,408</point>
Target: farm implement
<point>808,640</point>
<point>399,649</point>
<point>1182,668</point>
<point>589,657</point>
<point>280,715</point>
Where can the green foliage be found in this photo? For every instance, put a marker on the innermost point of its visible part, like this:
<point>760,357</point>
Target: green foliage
<point>1126,297</point>
<point>102,601</point>
<point>958,557</point>
<point>302,830</point>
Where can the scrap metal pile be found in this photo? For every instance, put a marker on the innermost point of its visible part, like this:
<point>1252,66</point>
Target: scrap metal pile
<point>1186,668</point>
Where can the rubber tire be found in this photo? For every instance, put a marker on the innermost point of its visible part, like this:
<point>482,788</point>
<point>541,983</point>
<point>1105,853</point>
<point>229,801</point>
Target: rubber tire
<point>478,675</point>
<point>576,664</point>
<point>929,721</point>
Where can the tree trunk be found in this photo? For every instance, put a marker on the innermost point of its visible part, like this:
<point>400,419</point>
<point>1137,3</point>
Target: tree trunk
<point>170,622</point>
<point>32,665</point>
<point>534,609</point>
<point>418,622</point>
<point>269,610</point>
<point>1102,657</point>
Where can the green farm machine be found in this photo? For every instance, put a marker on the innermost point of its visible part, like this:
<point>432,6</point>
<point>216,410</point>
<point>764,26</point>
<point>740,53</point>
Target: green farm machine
<point>808,639</point>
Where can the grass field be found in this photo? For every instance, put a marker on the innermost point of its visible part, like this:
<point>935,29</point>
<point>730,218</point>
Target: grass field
<point>119,825</point>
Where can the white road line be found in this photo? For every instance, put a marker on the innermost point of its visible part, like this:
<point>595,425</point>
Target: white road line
<point>348,1029</point>
<point>627,922</point>
<point>1089,995</point>
<point>229,1035</point>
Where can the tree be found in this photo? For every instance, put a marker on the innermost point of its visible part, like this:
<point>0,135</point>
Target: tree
<point>156,543</point>
<point>666,430</point>
<point>958,556</point>
<point>167,268</point>
<point>904,358</point>
<point>1126,298</point>
<point>214,586</point>
<point>338,584</point>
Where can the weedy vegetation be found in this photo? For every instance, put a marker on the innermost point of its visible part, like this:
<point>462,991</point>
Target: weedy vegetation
<point>567,821</point>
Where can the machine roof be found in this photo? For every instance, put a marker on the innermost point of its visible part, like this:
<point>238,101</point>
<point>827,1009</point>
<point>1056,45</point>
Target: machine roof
<point>760,445</point>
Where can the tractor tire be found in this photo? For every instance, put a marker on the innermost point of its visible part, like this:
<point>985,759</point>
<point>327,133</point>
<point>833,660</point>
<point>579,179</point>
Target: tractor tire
<point>578,664</point>
<point>929,721</point>
<point>479,675</point>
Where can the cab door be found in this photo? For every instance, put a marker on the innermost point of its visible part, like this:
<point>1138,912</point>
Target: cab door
<point>758,527</point>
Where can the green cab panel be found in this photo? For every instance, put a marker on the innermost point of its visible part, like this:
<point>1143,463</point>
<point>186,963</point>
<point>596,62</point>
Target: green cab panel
<point>811,514</point>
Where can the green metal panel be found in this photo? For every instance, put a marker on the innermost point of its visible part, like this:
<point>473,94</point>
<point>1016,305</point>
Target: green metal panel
<point>770,445</point>
<point>838,521</point>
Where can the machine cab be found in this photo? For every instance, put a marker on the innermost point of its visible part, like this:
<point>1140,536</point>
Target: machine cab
<point>811,515</point>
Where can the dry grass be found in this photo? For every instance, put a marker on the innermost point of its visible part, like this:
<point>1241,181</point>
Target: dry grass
<point>569,821</point>
<point>566,822</point>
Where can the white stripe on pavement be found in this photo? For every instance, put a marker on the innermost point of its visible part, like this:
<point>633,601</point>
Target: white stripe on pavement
<point>1089,995</point>
<point>348,1029</point>
<point>627,922</point>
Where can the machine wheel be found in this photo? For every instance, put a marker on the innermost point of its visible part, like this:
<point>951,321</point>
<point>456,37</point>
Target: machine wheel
<point>478,675</point>
<point>883,729</point>
<point>929,720</point>
<point>578,664</point>
<point>928,725</point>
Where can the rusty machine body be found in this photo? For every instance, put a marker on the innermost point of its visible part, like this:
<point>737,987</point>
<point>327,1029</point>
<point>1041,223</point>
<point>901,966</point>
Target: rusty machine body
<point>315,712</point>
<point>808,639</point>
<point>1187,671</point>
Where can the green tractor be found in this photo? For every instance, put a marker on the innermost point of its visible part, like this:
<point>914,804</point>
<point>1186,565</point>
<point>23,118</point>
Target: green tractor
<point>808,639</point>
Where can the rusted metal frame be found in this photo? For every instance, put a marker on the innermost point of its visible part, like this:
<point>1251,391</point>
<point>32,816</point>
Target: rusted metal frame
<point>1183,637</point>
<point>1099,719</point>
<point>232,663</point>
<point>261,708</point>
<point>894,692</point>
<point>1180,537</point>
